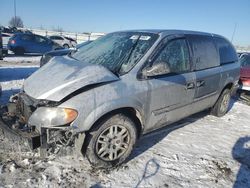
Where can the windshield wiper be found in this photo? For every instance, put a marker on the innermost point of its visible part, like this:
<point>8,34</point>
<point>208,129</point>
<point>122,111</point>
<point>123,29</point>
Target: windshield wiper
<point>70,55</point>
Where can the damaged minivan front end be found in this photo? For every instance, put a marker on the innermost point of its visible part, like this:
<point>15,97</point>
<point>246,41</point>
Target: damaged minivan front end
<point>38,123</point>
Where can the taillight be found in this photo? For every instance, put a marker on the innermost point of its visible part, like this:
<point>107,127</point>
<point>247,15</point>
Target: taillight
<point>12,41</point>
<point>245,81</point>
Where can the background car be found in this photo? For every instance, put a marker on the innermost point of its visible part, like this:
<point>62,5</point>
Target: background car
<point>5,38</point>
<point>62,41</point>
<point>29,43</point>
<point>1,46</point>
<point>245,72</point>
<point>47,56</point>
<point>72,41</point>
<point>9,30</point>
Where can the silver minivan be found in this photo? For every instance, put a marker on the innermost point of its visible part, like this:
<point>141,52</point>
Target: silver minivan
<point>101,99</point>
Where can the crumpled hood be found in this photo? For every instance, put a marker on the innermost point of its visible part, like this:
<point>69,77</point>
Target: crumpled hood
<point>64,75</point>
<point>245,72</point>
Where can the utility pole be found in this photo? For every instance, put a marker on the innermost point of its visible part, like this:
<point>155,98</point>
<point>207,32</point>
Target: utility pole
<point>15,11</point>
<point>235,27</point>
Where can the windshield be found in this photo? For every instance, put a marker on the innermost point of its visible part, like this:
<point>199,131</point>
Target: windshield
<point>245,60</point>
<point>118,52</point>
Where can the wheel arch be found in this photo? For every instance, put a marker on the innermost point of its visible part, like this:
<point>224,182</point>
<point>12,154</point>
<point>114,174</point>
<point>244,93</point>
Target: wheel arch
<point>131,112</point>
<point>229,86</point>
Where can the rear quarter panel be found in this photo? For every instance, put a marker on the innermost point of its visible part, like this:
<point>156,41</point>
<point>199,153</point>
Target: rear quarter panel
<point>230,73</point>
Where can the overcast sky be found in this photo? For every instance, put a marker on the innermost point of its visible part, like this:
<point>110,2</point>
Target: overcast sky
<point>217,16</point>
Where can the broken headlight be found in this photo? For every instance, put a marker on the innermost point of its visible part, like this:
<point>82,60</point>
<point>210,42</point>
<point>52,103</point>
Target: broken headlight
<point>52,116</point>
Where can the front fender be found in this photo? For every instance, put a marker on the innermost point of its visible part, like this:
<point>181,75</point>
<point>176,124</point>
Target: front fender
<point>107,107</point>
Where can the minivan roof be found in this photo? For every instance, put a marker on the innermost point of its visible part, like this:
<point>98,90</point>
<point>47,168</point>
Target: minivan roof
<point>172,31</point>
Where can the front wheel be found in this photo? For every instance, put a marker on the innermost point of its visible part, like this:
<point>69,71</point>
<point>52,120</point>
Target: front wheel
<point>111,142</point>
<point>221,106</point>
<point>66,46</point>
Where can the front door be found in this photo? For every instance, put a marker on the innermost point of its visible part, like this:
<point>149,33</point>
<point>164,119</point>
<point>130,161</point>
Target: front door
<point>41,45</point>
<point>172,94</point>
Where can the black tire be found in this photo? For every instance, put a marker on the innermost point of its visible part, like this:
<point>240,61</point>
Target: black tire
<point>19,51</point>
<point>5,53</point>
<point>95,135</point>
<point>222,104</point>
<point>66,46</point>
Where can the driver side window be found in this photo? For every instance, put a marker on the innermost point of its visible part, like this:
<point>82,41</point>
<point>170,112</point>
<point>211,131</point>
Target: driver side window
<point>175,54</point>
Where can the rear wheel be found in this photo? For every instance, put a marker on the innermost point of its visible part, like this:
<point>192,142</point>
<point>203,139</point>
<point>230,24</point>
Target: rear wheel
<point>221,106</point>
<point>111,142</point>
<point>19,51</point>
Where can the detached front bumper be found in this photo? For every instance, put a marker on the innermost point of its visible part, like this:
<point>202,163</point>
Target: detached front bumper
<point>32,140</point>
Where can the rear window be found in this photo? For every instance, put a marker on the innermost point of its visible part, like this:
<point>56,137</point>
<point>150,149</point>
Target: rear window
<point>204,51</point>
<point>226,51</point>
<point>26,37</point>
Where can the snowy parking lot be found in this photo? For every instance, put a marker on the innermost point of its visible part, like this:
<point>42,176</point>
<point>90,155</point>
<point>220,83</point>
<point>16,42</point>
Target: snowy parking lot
<point>199,151</point>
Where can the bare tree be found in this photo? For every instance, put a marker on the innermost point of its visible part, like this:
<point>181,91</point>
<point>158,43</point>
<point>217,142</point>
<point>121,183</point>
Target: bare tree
<point>16,22</point>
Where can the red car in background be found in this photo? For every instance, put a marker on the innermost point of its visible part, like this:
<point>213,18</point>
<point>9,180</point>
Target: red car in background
<point>245,72</point>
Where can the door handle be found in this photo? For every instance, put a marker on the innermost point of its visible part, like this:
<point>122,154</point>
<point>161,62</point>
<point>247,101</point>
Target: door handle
<point>200,83</point>
<point>190,85</point>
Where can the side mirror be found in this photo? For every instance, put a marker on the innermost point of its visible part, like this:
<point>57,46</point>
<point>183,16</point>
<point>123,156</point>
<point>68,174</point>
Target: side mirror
<point>157,69</point>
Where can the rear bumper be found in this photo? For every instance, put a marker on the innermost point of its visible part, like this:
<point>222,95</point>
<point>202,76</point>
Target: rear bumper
<point>32,139</point>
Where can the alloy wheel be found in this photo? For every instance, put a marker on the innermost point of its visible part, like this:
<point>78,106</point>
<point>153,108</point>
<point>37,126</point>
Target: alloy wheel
<point>113,142</point>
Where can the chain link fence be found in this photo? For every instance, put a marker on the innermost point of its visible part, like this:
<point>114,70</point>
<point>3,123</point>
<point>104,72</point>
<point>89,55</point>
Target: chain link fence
<point>79,37</point>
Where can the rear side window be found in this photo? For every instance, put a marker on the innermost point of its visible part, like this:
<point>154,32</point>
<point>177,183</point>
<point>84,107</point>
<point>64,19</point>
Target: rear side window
<point>226,51</point>
<point>40,39</point>
<point>204,52</point>
<point>56,38</point>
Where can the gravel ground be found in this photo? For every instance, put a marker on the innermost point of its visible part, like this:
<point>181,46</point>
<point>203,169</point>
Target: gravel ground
<point>199,151</point>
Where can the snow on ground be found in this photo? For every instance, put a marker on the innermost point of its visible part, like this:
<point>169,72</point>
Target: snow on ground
<point>199,151</point>
<point>21,60</point>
